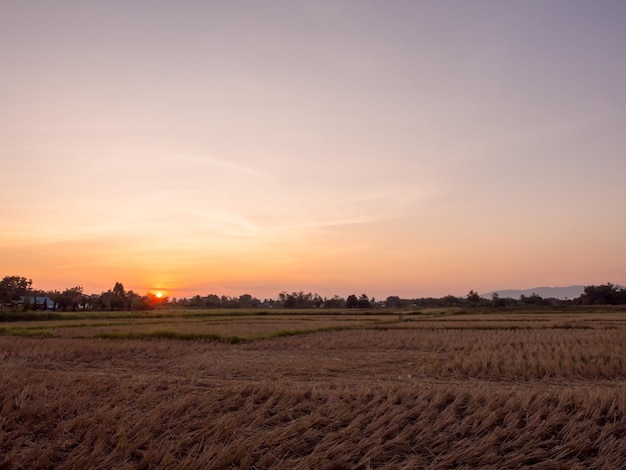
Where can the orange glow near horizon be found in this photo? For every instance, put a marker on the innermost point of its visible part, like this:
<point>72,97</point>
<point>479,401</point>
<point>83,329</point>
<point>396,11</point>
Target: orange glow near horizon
<point>359,258</point>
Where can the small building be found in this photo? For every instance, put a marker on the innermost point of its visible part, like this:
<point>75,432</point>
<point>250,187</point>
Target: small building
<point>42,303</point>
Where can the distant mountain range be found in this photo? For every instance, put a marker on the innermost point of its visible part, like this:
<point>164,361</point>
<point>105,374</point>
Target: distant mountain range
<point>570,292</point>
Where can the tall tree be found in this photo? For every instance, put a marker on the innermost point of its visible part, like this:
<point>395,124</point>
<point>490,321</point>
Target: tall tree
<point>496,301</point>
<point>335,302</point>
<point>75,296</point>
<point>118,290</point>
<point>364,302</point>
<point>296,299</point>
<point>606,294</point>
<point>473,298</point>
<point>14,287</point>
<point>393,301</point>
<point>118,299</point>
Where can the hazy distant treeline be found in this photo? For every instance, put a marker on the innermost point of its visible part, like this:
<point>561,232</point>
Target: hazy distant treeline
<point>17,292</point>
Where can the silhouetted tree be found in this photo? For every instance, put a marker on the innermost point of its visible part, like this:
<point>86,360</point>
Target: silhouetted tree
<point>352,301</point>
<point>393,301</point>
<point>196,301</point>
<point>496,301</point>
<point>245,301</point>
<point>118,290</point>
<point>473,299</point>
<point>212,301</point>
<point>317,301</point>
<point>75,295</point>
<point>118,297</point>
<point>229,302</point>
<point>335,302</point>
<point>450,301</point>
<point>14,287</point>
<point>533,299</point>
<point>71,297</point>
<point>604,294</point>
<point>364,302</point>
<point>296,299</point>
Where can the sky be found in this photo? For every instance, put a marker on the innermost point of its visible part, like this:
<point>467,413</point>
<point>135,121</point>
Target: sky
<point>411,148</point>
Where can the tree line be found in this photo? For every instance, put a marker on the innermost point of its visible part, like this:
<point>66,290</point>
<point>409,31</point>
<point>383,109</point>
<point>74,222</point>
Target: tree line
<point>16,292</point>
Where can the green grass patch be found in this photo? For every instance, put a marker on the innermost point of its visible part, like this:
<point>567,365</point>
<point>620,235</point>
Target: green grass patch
<point>174,335</point>
<point>168,334</point>
<point>286,333</point>
<point>28,332</point>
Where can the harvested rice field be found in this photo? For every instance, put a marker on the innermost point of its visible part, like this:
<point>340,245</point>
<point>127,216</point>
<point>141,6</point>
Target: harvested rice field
<point>303,390</point>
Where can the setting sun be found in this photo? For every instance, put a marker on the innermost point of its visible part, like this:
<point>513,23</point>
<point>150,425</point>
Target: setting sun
<point>159,295</point>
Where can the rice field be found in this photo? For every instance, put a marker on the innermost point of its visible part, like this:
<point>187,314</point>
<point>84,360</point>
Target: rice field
<point>494,390</point>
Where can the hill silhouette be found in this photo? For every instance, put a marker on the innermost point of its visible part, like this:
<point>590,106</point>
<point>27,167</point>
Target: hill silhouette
<point>570,292</point>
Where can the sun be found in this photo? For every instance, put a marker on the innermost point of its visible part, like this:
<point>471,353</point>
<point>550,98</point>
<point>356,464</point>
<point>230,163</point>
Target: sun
<point>159,295</point>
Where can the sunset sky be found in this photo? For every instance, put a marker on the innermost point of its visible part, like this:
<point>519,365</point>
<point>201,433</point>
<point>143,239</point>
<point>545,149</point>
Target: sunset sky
<point>412,148</point>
